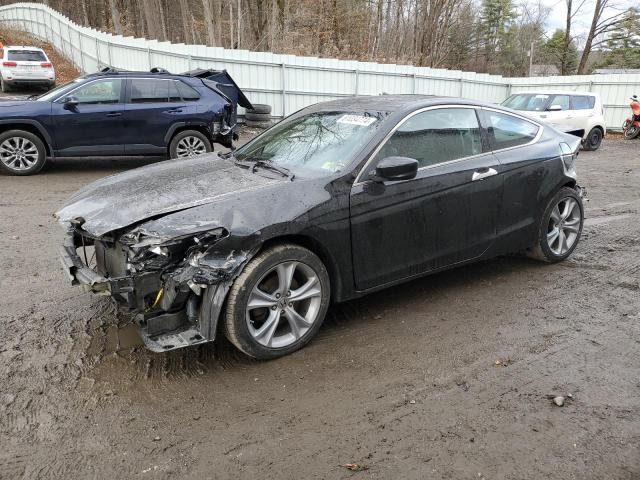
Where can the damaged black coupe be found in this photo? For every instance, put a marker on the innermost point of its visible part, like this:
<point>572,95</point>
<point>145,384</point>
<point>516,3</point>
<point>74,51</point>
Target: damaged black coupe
<point>338,200</point>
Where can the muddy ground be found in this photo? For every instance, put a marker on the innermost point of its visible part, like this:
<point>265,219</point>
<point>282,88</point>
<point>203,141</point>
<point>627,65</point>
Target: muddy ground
<point>442,378</point>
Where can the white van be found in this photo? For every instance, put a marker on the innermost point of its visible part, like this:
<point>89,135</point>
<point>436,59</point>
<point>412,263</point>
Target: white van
<point>578,113</point>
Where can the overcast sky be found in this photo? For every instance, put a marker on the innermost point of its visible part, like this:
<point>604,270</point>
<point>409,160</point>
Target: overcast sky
<point>582,20</point>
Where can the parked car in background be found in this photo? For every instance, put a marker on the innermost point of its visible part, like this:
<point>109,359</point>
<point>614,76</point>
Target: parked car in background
<point>25,66</point>
<point>340,199</point>
<point>115,113</point>
<point>577,113</point>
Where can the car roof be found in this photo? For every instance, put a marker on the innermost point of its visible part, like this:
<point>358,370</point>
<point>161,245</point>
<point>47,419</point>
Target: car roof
<point>21,47</point>
<point>555,92</point>
<point>393,103</point>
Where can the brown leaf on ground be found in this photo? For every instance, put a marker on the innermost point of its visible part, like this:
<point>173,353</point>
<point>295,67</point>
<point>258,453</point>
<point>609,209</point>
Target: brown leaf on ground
<point>354,467</point>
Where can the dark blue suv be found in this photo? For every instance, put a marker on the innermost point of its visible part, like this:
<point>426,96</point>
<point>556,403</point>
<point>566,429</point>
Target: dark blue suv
<point>116,113</point>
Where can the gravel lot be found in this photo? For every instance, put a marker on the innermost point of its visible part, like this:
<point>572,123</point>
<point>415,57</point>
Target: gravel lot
<point>442,378</point>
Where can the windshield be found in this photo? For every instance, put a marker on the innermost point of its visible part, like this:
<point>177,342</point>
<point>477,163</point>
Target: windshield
<point>26,56</point>
<point>51,94</point>
<point>320,142</point>
<point>528,102</point>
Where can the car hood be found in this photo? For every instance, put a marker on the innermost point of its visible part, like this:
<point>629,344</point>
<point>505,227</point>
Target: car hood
<point>150,192</point>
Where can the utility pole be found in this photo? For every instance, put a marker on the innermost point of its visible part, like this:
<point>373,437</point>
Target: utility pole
<point>531,59</point>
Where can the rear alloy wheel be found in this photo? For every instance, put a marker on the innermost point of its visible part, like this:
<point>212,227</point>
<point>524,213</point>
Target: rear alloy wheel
<point>278,302</point>
<point>594,139</point>
<point>21,152</point>
<point>189,143</point>
<point>561,227</point>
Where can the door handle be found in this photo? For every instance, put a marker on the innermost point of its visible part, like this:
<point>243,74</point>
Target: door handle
<point>114,114</point>
<point>174,110</point>
<point>483,173</point>
<point>543,116</point>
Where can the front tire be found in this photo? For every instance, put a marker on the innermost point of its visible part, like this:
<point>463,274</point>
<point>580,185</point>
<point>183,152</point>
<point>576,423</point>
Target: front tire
<point>278,302</point>
<point>189,143</point>
<point>594,139</point>
<point>560,228</point>
<point>21,153</point>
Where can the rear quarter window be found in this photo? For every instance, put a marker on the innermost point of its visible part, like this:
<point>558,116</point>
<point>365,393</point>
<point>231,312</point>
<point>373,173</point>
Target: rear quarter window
<point>26,56</point>
<point>507,131</point>
<point>582,102</point>
<point>188,93</point>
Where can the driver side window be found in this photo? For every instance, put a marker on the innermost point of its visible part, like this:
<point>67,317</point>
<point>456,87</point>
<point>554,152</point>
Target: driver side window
<point>100,92</point>
<point>435,136</point>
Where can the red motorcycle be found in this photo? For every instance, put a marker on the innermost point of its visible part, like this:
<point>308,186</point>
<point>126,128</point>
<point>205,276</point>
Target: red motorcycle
<point>631,126</point>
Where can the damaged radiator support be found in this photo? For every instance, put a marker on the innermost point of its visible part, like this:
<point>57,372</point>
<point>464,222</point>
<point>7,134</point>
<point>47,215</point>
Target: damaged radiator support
<point>194,324</point>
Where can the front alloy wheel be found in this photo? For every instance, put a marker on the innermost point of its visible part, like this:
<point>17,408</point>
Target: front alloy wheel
<point>278,302</point>
<point>21,152</point>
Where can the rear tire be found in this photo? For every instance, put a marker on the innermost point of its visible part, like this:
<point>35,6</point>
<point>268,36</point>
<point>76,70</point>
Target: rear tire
<point>21,153</point>
<point>594,139</point>
<point>278,302</point>
<point>560,227</point>
<point>189,143</point>
<point>263,125</point>
<point>4,86</point>
<point>258,117</point>
<point>260,108</point>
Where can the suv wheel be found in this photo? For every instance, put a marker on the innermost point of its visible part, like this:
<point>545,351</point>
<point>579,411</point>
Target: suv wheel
<point>278,302</point>
<point>560,228</point>
<point>189,143</point>
<point>594,139</point>
<point>21,153</point>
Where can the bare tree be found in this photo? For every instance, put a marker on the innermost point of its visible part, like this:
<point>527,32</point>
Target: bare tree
<point>599,27</point>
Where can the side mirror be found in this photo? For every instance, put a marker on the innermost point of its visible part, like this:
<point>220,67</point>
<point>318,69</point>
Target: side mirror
<point>70,102</point>
<point>555,108</point>
<point>397,168</point>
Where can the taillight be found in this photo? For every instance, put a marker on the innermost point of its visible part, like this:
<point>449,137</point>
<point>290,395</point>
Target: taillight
<point>9,64</point>
<point>46,65</point>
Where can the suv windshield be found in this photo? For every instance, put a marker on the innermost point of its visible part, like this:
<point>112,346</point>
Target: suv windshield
<point>530,102</point>
<point>26,56</point>
<point>320,142</point>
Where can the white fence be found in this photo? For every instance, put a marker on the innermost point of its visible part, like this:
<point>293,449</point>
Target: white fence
<point>289,82</point>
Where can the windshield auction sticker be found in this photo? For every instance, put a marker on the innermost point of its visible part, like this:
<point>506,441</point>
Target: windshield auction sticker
<point>359,120</point>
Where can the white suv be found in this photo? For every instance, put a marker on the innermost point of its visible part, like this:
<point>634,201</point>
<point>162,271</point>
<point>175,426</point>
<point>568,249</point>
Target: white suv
<point>578,113</point>
<point>25,66</point>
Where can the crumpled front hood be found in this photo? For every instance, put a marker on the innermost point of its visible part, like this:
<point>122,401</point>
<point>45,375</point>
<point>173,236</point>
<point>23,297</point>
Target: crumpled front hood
<point>124,199</point>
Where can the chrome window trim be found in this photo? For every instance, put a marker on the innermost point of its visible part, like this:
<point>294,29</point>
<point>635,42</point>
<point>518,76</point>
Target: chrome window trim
<point>359,180</point>
<point>362,173</point>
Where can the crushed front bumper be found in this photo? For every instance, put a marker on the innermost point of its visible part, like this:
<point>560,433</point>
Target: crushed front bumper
<point>79,273</point>
<point>171,326</point>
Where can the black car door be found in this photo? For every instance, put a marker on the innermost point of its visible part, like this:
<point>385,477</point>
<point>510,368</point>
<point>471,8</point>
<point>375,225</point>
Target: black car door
<point>445,215</point>
<point>516,143</point>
